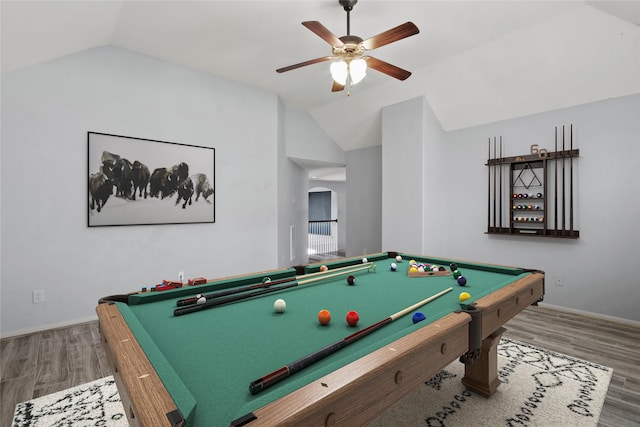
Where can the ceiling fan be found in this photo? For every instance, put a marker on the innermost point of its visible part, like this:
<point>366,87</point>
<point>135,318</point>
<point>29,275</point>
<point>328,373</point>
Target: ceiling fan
<point>350,52</point>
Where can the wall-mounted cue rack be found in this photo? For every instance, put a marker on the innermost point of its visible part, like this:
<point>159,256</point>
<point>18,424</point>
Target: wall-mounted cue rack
<point>538,199</point>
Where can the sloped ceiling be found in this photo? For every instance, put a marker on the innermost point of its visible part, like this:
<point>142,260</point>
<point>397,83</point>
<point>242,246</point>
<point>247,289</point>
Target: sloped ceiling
<point>475,61</point>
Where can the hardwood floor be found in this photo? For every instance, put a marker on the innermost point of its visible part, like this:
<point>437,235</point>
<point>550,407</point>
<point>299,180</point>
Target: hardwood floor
<point>45,362</point>
<point>38,364</point>
<point>615,345</point>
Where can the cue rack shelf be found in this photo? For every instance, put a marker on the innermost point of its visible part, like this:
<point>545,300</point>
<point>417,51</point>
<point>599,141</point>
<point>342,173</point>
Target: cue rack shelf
<point>538,198</point>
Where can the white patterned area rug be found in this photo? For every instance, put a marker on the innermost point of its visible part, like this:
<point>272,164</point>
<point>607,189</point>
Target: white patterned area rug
<point>539,388</point>
<point>93,404</point>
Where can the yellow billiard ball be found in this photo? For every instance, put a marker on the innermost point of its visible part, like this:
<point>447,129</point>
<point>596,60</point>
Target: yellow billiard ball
<point>464,296</point>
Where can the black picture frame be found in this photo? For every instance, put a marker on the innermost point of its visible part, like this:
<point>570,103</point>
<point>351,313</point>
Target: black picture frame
<point>137,181</point>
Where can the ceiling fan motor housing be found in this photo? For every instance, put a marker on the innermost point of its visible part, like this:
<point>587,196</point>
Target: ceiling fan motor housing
<point>352,48</point>
<point>348,4</point>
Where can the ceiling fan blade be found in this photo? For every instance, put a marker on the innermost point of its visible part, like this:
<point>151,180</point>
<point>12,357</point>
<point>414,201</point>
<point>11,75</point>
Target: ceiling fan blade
<point>304,64</point>
<point>337,87</point>
<point>323,33</point>
<point>388,69</point>
<point>398,33</point>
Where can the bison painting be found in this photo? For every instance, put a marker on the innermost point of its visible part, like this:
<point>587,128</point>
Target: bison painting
<point>185,192</point>
<point>141,177</point>
<point>144,181</point>
<point>100,188</point>
<point>202,186</point>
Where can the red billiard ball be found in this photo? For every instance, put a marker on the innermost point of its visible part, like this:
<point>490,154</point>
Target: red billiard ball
<point>351,280</point>
<point>352,318</point>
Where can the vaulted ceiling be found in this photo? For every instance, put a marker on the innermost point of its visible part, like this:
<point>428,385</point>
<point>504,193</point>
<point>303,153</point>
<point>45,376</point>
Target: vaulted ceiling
<point>474,61</point>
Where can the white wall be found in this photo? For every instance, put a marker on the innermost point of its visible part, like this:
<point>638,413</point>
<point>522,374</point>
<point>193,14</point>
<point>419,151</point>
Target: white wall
<point>307,141</point>
<point>293,208</point>
<point>364,199</point>
<point>598,269</point>
<point>46,244</point>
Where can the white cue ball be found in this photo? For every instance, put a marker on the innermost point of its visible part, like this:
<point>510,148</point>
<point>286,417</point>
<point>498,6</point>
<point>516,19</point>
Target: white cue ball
<point>399,258</point>
<point>279,305</point>
<point>201,300</point>
<point>365,260</point>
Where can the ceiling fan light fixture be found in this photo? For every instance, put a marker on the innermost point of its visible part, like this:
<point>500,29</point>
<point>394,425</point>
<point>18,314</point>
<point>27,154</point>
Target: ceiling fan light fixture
<point>339,72</point>
<point>357,70</point>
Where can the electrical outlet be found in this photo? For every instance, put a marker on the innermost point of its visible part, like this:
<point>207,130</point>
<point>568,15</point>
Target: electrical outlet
<point>38,296</point>
<point>181,276</point>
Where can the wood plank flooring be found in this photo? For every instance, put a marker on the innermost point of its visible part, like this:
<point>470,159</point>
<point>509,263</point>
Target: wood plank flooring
<point>41,363</point>
<point>48,361</point>
<point>615,345</point>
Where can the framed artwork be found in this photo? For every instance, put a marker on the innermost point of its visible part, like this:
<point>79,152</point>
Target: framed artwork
<point>135,181</point>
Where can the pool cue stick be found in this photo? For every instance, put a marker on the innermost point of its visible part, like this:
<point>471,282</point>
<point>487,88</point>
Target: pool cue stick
<point>564,194</point>
<point>489,186</point>
<point>193,300</point>
<point>571,180</point>
<point>500,192</point>
<point>555,193</point>
<point>494,183</point>
<point>290,369</point>
<point>238,297</point>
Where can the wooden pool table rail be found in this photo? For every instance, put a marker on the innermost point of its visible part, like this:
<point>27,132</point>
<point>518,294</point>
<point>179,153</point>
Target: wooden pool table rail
<point>145,399</point>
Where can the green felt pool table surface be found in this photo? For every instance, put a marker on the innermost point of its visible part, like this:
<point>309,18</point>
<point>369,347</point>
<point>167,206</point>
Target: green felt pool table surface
<point>207,359</point>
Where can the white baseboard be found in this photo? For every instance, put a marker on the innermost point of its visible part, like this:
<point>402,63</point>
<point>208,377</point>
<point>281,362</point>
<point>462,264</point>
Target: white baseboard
<point>629,322</point>
<point>41,328</point>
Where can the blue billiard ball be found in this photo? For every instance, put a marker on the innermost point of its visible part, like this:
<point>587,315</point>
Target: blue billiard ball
<point>462,281</point>
<point>417,317</point>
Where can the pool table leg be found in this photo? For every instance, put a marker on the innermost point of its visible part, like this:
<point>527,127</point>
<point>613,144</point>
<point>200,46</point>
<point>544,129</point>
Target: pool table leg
<point>481,376</point>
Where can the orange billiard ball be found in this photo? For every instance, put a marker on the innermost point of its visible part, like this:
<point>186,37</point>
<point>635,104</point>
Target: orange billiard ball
<point>323,268</point>
<point>324,317</point>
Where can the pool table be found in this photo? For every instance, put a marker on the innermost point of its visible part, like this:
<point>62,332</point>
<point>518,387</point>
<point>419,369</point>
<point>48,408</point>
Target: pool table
<point>195,369</point>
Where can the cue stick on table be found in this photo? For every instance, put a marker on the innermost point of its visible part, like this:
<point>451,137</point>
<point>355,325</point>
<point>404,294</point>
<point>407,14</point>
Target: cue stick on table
<point>233,298</point>
<point>194,300</point>
<point>290,369</point>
